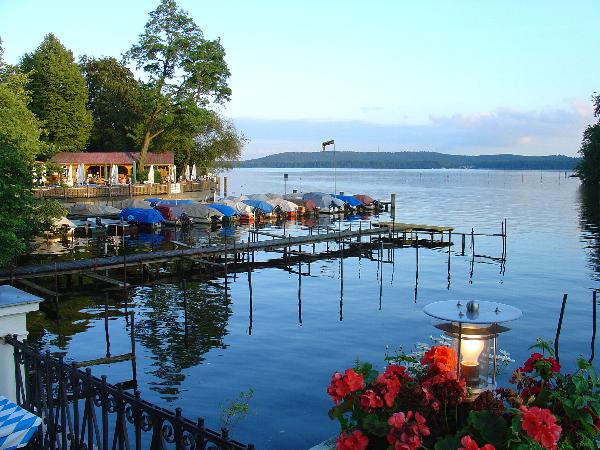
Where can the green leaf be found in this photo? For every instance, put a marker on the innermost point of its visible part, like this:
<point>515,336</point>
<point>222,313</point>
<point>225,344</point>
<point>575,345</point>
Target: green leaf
<point>373,425</point>
<point>492,428</point>
<point>448,443</point>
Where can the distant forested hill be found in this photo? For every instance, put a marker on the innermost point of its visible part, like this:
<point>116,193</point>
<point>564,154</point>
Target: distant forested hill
<point>410,160</point>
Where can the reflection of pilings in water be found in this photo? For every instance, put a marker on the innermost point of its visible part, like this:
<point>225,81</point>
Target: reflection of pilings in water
<point>558,328</point>
<point>380,263</point>
<point>300,288</point>
<point>593,343</point>
<point>106,333</point>
<point>250,291</point>
<point>341,244</point>
<point>449,252</point>
<point>185,313</point>
<point>417,264</point>
<point>472,255</point>
<point>133,352</point>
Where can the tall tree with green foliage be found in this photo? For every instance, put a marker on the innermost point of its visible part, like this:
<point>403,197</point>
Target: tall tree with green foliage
<point>589,167</point>
<point>21,215</point>
<point>114,101</point>
<point>185,73</point>
<point>58,96</point>
<point>217,144</point>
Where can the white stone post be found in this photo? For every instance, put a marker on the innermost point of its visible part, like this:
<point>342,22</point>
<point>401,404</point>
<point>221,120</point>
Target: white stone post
<point>14,306</point>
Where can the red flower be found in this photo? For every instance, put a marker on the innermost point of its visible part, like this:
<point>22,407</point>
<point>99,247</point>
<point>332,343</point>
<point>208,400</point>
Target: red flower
<point>337,389</point>
<point>554,365</point>
<point>389,386</point>
<point>370,401</point>
<point>530,363</point>
<point>406,430</point>
<point>541,425</point>
<point>353,441</point>
<point>442,357</point>
<point>443,388</point>
<point>353,380</point>
<point>469,444</point>
<point>342,385</point>
<point>534,358</point>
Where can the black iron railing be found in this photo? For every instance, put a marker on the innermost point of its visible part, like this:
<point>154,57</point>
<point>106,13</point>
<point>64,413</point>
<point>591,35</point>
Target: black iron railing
<point>81,411</point>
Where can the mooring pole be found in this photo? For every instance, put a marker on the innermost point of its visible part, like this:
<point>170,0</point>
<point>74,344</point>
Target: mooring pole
<point>593,343</point>
<point>558,328</point>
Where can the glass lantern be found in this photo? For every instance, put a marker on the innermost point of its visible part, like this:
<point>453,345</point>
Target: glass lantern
<point>474,329</point>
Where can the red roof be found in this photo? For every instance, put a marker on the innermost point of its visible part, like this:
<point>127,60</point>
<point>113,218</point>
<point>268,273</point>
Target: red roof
<point>99,158</point>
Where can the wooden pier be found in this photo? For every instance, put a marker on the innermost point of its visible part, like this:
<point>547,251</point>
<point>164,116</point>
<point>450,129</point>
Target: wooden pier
<point>120,273</point>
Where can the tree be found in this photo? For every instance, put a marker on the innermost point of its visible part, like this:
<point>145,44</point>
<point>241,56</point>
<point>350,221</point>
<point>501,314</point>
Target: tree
<point>185,72</point>
<point>114,101</point>
<point>217,144</point>
<point>589,166</point>
<point>21,215</point>
<point>58,95</point>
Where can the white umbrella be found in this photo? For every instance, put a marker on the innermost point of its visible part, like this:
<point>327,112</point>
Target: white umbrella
<point>174,179</point>
<point>151,175</point>
<point>187,172</point>
<point>114,177</point>
<point>194,172</point>
<point>70,175</point>
<point>80,174</point>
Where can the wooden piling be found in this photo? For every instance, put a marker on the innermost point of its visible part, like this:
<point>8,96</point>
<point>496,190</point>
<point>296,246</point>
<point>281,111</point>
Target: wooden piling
<point>593,342</point>
<point>558,328</point>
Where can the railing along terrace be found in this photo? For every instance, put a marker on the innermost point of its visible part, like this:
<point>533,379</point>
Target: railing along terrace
<point>128,190</point>
<point>83,412</point>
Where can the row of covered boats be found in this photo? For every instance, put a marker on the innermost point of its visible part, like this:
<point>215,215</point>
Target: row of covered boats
<point>154,212</point>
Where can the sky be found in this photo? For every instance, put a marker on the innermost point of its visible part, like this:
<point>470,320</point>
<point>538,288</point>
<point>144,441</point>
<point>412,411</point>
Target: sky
<point>462,77</point>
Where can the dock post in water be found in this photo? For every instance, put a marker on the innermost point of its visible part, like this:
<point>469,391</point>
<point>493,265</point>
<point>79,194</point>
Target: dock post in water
<point>593,343</point>
<point>393,205</point>
<point>224,186</point>
<point>558,328</point>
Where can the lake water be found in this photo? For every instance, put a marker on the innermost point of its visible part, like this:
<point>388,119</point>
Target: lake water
<point>297,330</point>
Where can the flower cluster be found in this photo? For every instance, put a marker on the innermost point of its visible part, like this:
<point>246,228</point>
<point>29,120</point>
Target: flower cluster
<point>352,441</point>
<point>541,425</point>
<point>424,403</point>
<point>342,385</point>
<point>407,430</point>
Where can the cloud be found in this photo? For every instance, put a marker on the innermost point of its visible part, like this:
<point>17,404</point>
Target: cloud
<point>504,130</point>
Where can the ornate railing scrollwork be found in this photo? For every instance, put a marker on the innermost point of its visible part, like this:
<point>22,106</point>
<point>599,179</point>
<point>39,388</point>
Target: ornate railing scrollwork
<point>81,412</point>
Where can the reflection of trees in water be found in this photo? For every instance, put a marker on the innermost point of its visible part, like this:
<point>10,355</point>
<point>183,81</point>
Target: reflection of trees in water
<point>51,328</point>
<point>589,198</point>
<point>161,328</point>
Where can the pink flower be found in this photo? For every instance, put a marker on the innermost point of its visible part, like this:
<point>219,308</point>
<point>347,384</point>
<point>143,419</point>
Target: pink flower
<point>406,430</point>
<point>469,444</point>
<point>540,424</point>
<point>352,441</point>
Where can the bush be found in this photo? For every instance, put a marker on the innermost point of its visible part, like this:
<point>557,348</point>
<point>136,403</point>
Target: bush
<point>425,405</point>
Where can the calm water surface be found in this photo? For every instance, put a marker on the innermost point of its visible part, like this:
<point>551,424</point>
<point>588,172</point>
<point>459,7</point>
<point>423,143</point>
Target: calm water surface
<point>286,342</point>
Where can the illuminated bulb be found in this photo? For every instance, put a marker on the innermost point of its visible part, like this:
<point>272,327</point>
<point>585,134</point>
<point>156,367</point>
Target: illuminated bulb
<point>470,350</point>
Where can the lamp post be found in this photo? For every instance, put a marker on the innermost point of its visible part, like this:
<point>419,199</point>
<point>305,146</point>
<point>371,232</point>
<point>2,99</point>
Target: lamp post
<point>474,328</point>
<point>325,144</point>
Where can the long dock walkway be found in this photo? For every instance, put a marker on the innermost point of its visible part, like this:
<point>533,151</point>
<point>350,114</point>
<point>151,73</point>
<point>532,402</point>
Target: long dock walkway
<point>84,265</point>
